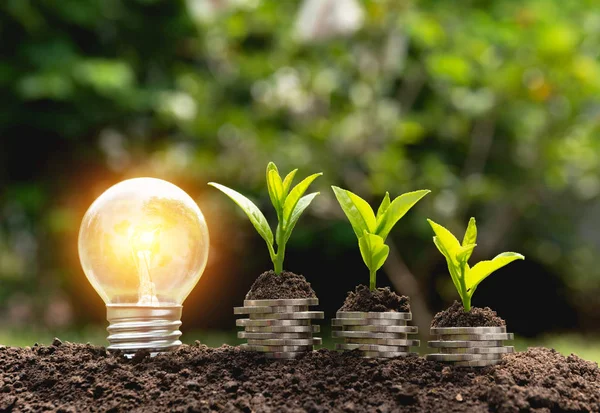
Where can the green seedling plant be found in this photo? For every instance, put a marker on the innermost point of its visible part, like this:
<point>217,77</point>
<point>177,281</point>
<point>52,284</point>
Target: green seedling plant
<point>373,229</point>
<point>289,204</point>
<point>465,278</point>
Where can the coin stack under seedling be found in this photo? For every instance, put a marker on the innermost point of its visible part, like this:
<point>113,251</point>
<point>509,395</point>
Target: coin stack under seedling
<point>374,334</point>
<point>281,329</point>
<point>470,346</point>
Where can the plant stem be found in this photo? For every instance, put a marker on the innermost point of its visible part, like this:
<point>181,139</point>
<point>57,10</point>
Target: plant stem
<point>466,300</point>
<point>372,279</point>
<point>280,253</point>
<point>464,294</point>
<point>279,260</point>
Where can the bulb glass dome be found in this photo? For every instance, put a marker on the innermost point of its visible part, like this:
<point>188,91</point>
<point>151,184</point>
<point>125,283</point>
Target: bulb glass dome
<point>143,242</point>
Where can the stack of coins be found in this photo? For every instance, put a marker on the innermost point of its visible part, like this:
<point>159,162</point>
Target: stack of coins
<point>375,335</point>
<point>470,346</point>
<point>281,329</point>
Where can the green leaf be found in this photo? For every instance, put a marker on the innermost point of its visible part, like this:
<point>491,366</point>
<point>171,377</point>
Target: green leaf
<point>275,187</point>
<point>397,209</point>
<point>294,196</point>
<point>449,246</point>
<point>464,253</point>
<point>442,248</point>
<point>374,252</point>
<point>385,204</point>
<point>302,204</point>
<point>447,240</point>
<point>470,238</point>
<point>470,233</point>
<point>465,278</point>
<point>256,217</point>
<point>462,256</point>
<point>452,268</point>
<point>357,210</point>
<point>484,268</point>
<point>287,182</point>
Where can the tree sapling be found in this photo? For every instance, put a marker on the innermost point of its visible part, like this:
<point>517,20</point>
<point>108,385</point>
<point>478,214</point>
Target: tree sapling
<point>465,278</point>
<point>372,230</point>
<point>289,204</point>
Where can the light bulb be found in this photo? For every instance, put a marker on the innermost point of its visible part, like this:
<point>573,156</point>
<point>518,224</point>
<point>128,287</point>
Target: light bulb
<point>143,245</point>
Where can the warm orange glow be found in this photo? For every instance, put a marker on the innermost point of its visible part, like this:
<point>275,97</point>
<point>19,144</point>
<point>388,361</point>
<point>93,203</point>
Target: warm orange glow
<point>145,242</point>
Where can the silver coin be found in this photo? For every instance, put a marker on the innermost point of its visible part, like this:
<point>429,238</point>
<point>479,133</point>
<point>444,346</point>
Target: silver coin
<point>388,315</point>
<point>467,330</point>
<point>276,349</point>
<point>365,334</point>
<point>383,341</point>
<point>385,354</point>
<point>462,357</point>
<point>476,363</point>
<point>304,315</point>
<point>346,330</point>
<point>372,347</point>
<point>402,336</point>
<point>244,334</point>
<point>381,329</point>
<point>286,342</point>
<point>366,321</point>
<point>284,355</point>
<point>291,301</point>
<point>478,337</point>
<point>269,310</point>
<point>478,350</point>
<point>246,322</point>
<point>290,329</point>
<point>453,344</point>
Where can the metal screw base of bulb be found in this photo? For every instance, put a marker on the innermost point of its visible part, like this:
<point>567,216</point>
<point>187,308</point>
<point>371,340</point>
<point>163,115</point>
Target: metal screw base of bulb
<point>134,327</point>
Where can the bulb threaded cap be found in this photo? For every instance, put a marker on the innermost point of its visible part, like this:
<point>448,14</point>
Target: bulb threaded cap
<point>134,327</point>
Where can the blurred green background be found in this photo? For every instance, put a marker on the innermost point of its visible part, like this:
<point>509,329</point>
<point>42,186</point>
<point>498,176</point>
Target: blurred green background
<point>493,105</point>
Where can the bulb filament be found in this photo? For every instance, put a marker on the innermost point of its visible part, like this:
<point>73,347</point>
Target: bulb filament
<point>142,245</point>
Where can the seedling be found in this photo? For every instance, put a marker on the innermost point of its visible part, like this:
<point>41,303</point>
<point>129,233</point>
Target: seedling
<point>289,204</point>
<point>465,278</point>
<point>372,230</point>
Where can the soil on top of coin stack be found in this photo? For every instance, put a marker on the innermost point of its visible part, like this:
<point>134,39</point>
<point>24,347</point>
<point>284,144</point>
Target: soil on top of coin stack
<point>455,316</point>
<point>76,377</point>
<point>380,300</point>
<point>287,285</point>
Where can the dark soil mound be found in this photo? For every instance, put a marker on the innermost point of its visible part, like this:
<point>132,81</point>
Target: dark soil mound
<point>73,377</point>
<point>380,300</point>
<point>455,316</point>
<point>270,286</point>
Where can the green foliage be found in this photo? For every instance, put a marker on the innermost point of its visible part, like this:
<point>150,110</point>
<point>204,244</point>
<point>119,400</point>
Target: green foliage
<point>251,210</point>
<point>374,252</point>
<point>492,105</point>
<point>372,230</point>
<point>289,206</point>
<point>465,278</point>
<point>396,210</point>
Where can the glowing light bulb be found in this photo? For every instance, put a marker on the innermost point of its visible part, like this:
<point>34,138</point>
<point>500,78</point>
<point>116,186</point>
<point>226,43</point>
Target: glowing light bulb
<point>143,245</point>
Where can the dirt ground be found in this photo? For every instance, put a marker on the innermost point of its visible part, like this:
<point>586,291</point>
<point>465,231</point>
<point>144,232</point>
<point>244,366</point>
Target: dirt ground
<point>380,300</point>
<point>287,285</point>
<point>455,316</point>
<point>66,377</point>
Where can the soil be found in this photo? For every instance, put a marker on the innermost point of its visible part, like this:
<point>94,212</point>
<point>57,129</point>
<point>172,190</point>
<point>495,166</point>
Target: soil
<point>455,316</point>
<point>67,377</point>
<point>380,300</point>
<point>287,285</point>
